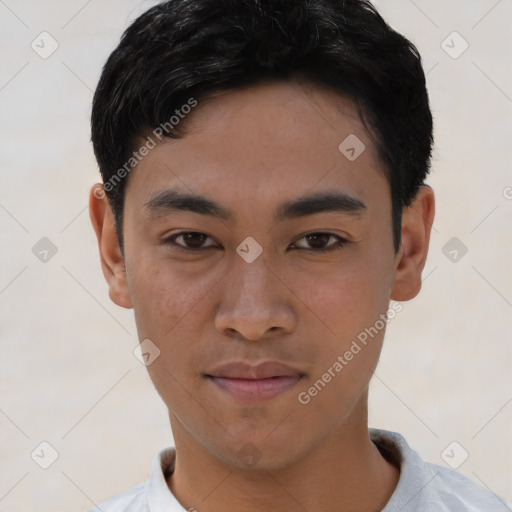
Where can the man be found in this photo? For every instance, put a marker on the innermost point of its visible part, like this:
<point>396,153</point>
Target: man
<point>263,208</point>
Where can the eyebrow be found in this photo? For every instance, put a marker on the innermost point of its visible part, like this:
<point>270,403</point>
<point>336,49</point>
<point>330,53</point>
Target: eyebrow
<point>173,200</point>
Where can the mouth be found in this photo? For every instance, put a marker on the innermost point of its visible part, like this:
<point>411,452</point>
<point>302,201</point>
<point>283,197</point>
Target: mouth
<point>255,389</point>
<point>254,382</point>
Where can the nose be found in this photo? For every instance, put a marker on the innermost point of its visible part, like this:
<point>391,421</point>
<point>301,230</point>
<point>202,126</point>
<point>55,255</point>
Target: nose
<point>255,303</point>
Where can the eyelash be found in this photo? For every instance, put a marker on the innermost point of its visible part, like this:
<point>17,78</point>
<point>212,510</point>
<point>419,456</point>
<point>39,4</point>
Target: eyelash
<point>334,247</point>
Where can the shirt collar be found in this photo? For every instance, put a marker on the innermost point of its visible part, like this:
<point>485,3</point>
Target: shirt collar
<point>158,495</point>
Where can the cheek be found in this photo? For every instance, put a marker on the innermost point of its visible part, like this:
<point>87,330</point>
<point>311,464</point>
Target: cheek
<point>348,304</point>
<point>169,310</point>
<point>349,296</point>
<point>166,297</point>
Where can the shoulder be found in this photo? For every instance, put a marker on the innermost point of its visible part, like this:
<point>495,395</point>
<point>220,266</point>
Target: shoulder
<point>426,487</point>
<point>132,500</point>
<point>457,492</point>
<point>153,494</point>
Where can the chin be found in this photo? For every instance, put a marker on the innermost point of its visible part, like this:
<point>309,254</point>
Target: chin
<point>261,450</point>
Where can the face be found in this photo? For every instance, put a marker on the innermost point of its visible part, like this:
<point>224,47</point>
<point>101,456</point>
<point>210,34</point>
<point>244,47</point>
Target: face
<point>258,292</point>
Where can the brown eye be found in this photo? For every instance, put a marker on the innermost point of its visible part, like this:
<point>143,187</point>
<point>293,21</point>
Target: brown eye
<point>194,240</point>
<point>191,240</point>
<point>317,242</point>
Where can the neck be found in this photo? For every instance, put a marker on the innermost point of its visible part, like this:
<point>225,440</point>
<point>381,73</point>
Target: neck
<point>347,472</point>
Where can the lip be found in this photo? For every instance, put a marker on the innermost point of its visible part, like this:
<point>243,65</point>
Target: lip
<point>261,370</point>
<point>254,382</point>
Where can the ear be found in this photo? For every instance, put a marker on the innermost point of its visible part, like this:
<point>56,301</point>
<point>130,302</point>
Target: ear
<point>417,222</point>
<point>112,260</point>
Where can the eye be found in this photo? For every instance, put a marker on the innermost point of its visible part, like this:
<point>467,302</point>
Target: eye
<point>193,240</point>
<point>319,240</point>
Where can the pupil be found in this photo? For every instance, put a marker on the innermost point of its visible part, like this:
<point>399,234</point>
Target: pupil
<point>189,239</point>
<point>315,238</point>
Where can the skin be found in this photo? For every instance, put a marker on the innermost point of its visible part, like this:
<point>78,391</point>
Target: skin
<point>250,151</point>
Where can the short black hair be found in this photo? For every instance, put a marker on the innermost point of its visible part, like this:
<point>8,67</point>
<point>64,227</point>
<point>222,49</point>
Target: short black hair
<point>181,51</point>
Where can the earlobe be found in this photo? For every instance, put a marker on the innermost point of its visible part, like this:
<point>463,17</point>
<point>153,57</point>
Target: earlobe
<point>112,260</point>
<point>417,222</point>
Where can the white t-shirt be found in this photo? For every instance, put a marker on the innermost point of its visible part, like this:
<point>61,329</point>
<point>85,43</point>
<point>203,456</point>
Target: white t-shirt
<point>422,487</point>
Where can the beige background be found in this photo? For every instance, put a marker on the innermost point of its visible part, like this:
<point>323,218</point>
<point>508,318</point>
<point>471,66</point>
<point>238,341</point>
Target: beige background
<point>67,372</point>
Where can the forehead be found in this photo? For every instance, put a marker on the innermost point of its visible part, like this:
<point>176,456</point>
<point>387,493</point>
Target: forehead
<point>265,141</point>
